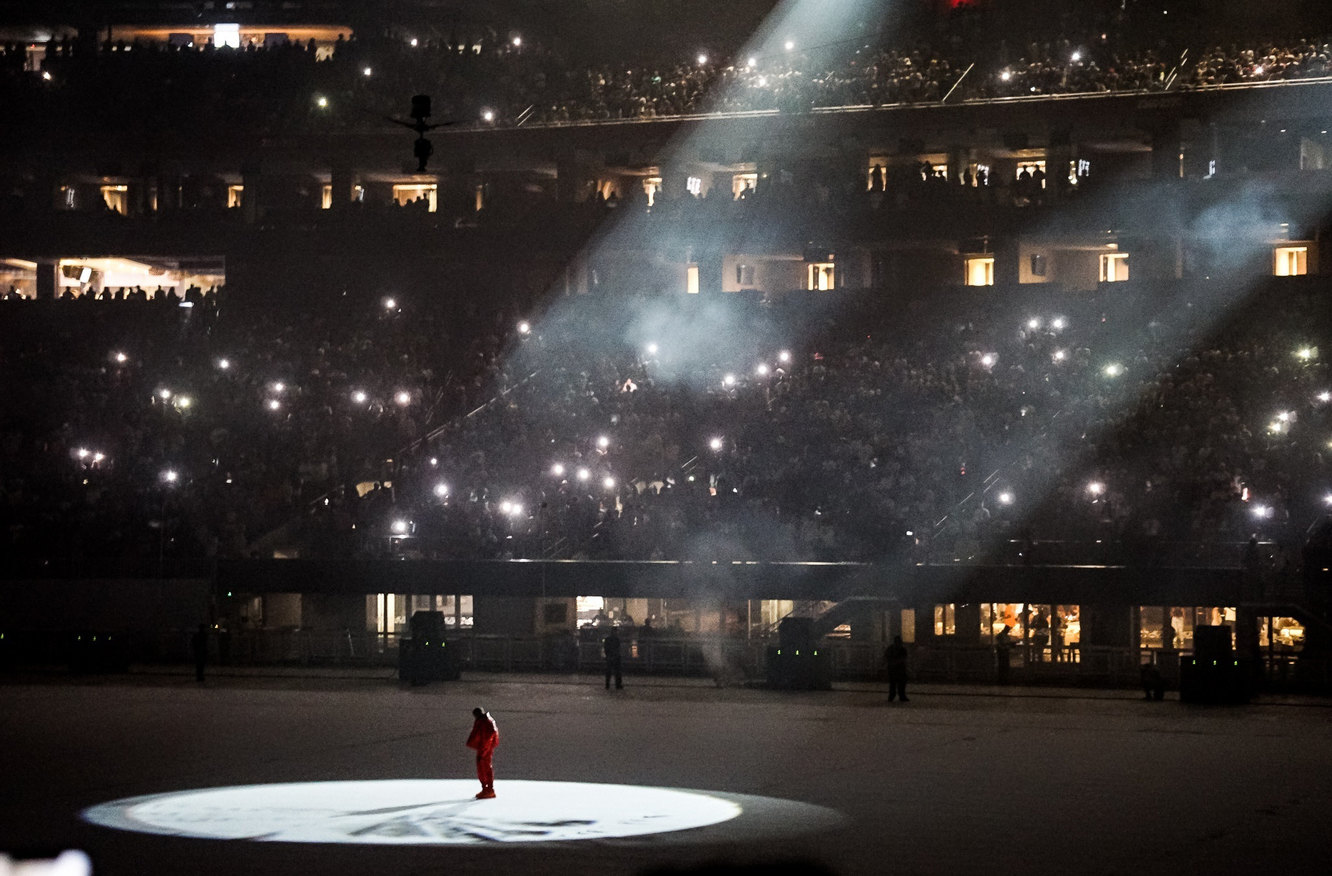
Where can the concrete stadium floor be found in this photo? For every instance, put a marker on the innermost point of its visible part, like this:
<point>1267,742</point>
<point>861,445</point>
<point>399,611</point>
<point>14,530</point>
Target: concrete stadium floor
<point>960,780</point>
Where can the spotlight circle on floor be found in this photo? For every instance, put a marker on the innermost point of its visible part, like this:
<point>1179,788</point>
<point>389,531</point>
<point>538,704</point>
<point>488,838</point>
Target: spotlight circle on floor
<point>426,812</point>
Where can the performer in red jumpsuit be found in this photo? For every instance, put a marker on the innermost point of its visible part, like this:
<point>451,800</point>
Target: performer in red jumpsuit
<point>484,739</point>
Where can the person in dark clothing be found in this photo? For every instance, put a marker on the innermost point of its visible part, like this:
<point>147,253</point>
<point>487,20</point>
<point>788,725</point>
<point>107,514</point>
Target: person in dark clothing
<point>610,646</point>
<point>199,645</point>
<point>1153,684</point>
<point>1003,645</point>
<point>895,656</point>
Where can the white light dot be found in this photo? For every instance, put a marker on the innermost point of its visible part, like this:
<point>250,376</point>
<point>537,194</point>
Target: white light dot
<point>784,356</point>
<point>652,349</point>
<point>789,45</point>
<point>752,61</point>
<point>1033,324</point>
<point>170,476</point>
<point>557,470</point>
<point>399,527</point>
<point>603,442</point>
<point>164,394</point>
<point>403,398</point>
<point>1006,498</point>
<point>390,303</point>
<point>584,474</point>
<point>122,358</point>
<point>524,327</point>
<point>359,397</point>
<point>1114,369</point>
<point>1096,488</point>
<point>1058,323</point>
<point>715,444</point>
<point>83,453</point>
<point>488,115</point>
<point>702,58</point>
<point>728,380</point>
<point>987,360</point>
<point>274,404</point>
<point>608,483</point>
<point>1059,355</point>
<point>279,386</point>
<point>762,370</point>
<point>224,364</point>
<point>367,71</point>
<point>441,490</point>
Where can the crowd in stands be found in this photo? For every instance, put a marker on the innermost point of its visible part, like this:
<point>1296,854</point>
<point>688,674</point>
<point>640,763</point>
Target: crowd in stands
<point>356,83</point>
<point>939,432</point>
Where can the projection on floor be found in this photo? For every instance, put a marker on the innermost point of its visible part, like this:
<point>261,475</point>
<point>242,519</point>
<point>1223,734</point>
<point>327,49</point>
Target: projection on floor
<point>427,812</point>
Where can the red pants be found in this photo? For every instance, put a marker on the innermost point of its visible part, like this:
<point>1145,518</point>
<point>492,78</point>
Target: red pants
<point>485,769</point>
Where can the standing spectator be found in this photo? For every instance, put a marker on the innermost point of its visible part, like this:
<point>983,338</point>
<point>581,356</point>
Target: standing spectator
<point>199,645</point>
<point>610,646</point>
<point>484,739</point>
<point>1003,646</point>
<point>895,656</point>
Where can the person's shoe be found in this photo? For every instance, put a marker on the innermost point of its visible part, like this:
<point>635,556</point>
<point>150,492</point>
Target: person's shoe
<point>486,794</point>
